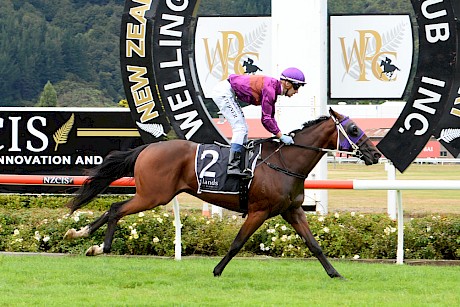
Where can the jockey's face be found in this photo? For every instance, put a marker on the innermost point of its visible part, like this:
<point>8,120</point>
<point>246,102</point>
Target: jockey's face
<point>288,89</point>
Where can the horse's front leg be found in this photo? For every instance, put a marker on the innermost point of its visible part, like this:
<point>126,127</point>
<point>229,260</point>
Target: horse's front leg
<point>252,223</point>
<point>296,217</point>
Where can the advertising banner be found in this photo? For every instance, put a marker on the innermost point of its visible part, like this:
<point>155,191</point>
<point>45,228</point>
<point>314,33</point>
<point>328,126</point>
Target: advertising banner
<point>448,130</point>
<point>231,45</point>
<point>430,96</point>
<point>61,141</point>
<point>158,70</point>
<point>371,56</point>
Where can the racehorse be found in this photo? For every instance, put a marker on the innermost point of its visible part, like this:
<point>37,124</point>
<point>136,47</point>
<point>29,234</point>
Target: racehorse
<point>165,169</point>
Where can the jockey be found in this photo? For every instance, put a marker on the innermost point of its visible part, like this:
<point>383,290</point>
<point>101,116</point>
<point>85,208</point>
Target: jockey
<point>255,90</point>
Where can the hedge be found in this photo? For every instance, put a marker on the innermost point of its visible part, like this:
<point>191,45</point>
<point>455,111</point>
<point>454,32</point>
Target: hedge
<point>41,225</point>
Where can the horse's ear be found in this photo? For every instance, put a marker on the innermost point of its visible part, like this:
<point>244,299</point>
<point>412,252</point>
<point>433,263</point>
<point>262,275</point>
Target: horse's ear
<point>332,112</point>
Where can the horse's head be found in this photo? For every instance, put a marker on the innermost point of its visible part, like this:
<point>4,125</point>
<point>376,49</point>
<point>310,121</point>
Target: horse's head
<point>352,139</point>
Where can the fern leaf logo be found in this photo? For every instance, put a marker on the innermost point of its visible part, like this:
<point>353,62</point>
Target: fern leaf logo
<point>154,129</point>
<point>60,136</point>
<point>448,135</point>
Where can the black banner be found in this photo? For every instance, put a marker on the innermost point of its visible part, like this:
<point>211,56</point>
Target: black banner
<point>448,129</point>
<point>137,71</point>
<point>162,60</point>
<point>60,141</point>
<point>433,83</point>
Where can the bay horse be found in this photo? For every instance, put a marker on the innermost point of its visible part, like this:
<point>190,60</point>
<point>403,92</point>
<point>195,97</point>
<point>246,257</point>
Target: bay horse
<point>165,169</point>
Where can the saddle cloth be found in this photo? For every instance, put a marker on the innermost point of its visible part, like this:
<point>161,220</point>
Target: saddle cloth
<point>211,168</point>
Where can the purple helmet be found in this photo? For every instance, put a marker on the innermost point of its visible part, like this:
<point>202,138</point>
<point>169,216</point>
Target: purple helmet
<point>293,75</point>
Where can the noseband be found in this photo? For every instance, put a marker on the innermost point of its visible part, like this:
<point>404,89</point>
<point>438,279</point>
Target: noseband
<point>348,142</point>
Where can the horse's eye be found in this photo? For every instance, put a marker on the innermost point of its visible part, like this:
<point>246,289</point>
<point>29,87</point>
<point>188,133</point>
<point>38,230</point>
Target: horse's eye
<point>353,130</point>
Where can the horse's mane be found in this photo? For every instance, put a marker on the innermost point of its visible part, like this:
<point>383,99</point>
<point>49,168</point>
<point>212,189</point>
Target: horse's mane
<point>311,123</point>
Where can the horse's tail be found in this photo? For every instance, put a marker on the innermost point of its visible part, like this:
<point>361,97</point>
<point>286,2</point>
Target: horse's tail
<point>116,164</point>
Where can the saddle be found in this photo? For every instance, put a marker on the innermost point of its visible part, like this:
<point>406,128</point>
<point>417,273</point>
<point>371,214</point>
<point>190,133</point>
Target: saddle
<point>211,162</point>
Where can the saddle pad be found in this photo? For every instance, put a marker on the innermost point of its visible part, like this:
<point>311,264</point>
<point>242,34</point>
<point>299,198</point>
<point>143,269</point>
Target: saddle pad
<point>211,168</point>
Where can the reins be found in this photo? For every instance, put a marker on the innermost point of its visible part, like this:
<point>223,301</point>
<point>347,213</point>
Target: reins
<point>340,130</point>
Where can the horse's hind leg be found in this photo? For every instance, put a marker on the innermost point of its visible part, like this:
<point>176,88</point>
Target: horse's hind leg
<point>252,223</point>
<point>116,212</point>
<point>88,229</point>
<point>111,218</point>
<point>296,217</point>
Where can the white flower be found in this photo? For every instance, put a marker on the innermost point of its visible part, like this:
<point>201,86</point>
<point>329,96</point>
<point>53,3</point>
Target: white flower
<point>387,231</point>
<point>141,214</point>
<point>284,238</point>
<point>352,213</point>
<point>283,228</point>
<point>59,220</point>
<point>428,229</point>
<point>37,236</point>
<point>166,215</point>
<point>274,239</point>
<point>46,239</point>
<point>271,230</point>
<point>160,220</point>
<point>326,229</point>
<point>133,231</point>
<point>356,257</point>
<point>156,240</point>
<point>321,219</point>
<point>336,215</point>
<point>76,218</point>
<point>234,217</point>
<point>16,232</point>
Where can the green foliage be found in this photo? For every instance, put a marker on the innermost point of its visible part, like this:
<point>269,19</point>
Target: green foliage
<point>78,41</point>
<point>41,227</point>
<point>48,98</point>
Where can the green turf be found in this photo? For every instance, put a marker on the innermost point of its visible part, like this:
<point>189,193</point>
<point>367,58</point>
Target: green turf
<point>137,281</point>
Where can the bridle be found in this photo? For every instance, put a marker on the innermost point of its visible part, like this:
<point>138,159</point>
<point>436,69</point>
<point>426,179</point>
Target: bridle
<point>343,145</point>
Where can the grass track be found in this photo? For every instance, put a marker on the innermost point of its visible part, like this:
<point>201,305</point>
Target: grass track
<point>137,281</point>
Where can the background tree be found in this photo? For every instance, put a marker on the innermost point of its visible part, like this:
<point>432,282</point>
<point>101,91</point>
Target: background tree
<point>74,44</point>
<point>48,97</point>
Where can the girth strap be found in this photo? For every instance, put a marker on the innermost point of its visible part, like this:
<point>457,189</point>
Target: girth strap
<point>285,171</point>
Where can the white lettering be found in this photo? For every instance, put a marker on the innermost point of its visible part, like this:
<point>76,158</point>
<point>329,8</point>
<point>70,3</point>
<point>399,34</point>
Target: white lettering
<point>188,123</point>
<point>14,133</point>
<point>421,119</point>
<point>180,83</point>
<point>36,133</point>
<point>177,21</point>
<point>180,103</point>
<point>177,8</point>
<point>176,63</point>
<point>434,15</point>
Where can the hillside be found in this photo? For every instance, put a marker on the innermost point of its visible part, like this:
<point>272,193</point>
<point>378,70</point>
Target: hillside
<point>74,44</point>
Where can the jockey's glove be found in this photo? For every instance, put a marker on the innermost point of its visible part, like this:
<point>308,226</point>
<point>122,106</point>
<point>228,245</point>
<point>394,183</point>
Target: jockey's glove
<point>286,139</point>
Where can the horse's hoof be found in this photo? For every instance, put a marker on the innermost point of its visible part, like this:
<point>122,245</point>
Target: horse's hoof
<point>217,274</point>
<point>70,234</point>
<point>94,250</point>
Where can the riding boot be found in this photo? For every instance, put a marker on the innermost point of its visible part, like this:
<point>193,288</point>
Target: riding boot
<point>236,165</point>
